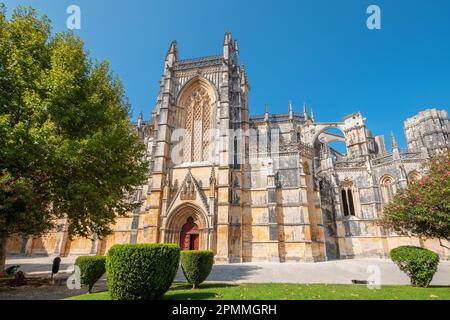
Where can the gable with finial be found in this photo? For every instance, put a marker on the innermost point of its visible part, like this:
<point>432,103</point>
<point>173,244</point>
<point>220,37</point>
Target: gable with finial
<point>189,191</point>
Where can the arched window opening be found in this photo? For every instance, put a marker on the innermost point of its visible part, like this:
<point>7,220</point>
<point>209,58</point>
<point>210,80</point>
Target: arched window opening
<point>348,204</point>
<point>344,203</point>
<point>196,106</point>
<point>414,176</point>
<point>351,207</point>
<point>387,188</point>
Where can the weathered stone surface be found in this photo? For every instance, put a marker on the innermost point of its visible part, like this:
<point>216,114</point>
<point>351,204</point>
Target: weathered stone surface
<point>275,190</point>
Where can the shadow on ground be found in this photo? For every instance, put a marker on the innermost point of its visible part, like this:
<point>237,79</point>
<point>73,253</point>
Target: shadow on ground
<point>47,292</point>
<point>230,272</point>
<point>186,286</point>
<point>189,294</point>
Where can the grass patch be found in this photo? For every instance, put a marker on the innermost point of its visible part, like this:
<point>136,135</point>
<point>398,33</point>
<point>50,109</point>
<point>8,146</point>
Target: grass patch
<point>279,291</point>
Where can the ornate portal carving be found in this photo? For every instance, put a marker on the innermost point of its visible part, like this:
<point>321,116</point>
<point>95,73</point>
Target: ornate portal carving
<point>188,191</point>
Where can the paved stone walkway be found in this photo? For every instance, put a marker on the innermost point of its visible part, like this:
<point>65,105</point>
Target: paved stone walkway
<point>333,272</point>
<point>338,271</point>
<point>41,265</point>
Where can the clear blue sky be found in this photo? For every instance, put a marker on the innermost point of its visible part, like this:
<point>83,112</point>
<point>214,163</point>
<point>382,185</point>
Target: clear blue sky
<point>318,51</point>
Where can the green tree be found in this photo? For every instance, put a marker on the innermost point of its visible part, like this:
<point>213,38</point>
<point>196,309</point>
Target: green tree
<point>66,145</point>
<point>423,209</point>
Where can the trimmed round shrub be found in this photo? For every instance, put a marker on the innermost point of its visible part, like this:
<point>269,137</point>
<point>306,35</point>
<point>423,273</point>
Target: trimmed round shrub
<point>141,271</point>
<point>91,269</point>
<point>196,265</point>
<point>418,263</point>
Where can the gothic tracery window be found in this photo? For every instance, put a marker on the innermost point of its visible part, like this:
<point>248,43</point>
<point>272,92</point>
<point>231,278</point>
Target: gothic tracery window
<point>387,188</point>
<point>198,125</point>
<point>348,204</point>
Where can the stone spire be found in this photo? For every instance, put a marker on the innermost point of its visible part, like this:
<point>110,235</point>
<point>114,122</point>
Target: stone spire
<point>305,111</point>
<point>394,144</point>
<point>291,112</point>
<point>266,112</point>
<point>172,55</point>
<point>227,46</point>
<point>312,115</point>
<point>244,79</point>
<point>236,47</point>
<point>140,118</point>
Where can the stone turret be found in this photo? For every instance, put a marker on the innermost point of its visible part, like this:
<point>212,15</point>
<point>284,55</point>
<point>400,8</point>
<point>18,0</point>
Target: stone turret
<point>356,134</point>
<point>430,129</point>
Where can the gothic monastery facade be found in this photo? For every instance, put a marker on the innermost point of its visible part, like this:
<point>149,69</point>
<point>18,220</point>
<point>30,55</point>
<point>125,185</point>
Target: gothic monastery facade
<point>262,188</point>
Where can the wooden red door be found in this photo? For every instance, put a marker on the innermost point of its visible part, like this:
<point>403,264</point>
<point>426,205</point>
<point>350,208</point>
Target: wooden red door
<point>189,236</point>
<point>185,241</point>
<point>194,242</point>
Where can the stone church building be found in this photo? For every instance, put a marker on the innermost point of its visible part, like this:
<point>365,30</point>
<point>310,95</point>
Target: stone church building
<point>260,188</point>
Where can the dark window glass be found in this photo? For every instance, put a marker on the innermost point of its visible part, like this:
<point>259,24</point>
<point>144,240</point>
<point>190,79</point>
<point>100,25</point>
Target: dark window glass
<point>350,202</point>
<point>344,203</point>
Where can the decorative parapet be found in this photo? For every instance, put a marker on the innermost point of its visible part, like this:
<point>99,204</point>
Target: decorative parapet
<point>411,155</point>
<point>144,123</point>
<point>306,150</point>
<point>350,164</point>
<point>405,155</point>
<point>386,158</point>
<point>277,118</point>
<point>198,63</point>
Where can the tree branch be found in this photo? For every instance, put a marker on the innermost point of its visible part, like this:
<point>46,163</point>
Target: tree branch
<point>442,245</point>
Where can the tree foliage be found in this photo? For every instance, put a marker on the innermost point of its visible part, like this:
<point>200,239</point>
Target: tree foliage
<point>66,148</point>
<point>424,208</point>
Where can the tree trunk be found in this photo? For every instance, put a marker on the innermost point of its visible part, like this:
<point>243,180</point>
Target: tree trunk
<point>3,241</point>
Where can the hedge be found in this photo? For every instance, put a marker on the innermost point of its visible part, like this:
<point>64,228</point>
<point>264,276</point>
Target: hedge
<point>419,264</point>
<point>196,265</point>
<point>91,269</point>
<point>141,271</point>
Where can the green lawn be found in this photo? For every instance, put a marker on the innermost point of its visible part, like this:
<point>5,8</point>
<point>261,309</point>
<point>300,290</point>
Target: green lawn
<point>277,291</point>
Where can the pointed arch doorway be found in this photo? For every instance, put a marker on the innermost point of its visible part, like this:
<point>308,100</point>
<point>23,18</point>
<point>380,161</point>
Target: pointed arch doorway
<point>187,226</point>
<point>189,235</point>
